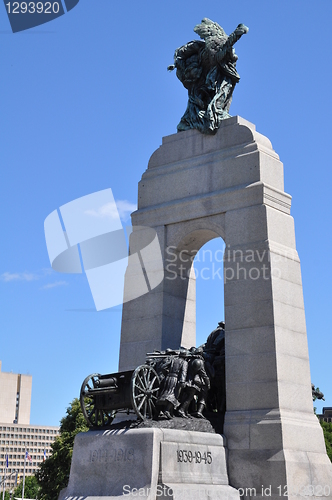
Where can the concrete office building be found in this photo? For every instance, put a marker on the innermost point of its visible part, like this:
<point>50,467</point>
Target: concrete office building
<point>326,416</point>
<point>15,397</point>
<point>16,433</point>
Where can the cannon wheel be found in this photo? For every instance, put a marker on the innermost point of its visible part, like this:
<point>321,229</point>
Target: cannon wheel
<point>144,391</point>
<point>94,417</point>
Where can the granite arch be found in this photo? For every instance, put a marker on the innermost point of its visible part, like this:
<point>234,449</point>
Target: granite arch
<point>232,184</point>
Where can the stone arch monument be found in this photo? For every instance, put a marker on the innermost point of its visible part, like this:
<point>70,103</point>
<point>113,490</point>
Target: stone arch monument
<point>231,185</point>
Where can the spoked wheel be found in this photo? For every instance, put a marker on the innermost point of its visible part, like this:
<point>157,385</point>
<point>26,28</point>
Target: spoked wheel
<point>94,416</point>
<point>144,391</point>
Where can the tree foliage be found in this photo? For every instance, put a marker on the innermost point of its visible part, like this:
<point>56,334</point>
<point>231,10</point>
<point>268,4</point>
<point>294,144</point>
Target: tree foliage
<point>53,474</point>
<point>31,488</point>
<point>327,430</point>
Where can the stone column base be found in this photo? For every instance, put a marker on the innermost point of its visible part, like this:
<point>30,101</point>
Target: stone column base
<point>149,463</point>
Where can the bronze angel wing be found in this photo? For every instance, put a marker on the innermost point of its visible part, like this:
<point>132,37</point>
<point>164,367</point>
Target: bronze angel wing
<point>212,33</point>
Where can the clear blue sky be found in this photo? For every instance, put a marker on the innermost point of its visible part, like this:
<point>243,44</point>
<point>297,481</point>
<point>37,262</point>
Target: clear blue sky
<point>85,100</point>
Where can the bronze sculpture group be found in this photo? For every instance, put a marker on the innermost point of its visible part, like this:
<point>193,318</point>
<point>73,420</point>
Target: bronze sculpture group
<point>191,380</point>
<point>207,69</point>
<point>171,383</point>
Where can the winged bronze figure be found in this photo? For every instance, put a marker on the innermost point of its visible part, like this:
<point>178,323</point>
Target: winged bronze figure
<point>207,69</point>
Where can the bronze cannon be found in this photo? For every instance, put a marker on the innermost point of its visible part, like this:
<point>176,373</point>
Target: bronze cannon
<point>134,391</point>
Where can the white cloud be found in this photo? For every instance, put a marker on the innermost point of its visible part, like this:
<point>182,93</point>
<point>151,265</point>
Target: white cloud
<point>52,285</point>
<point>26,276</point>
<point>19,277</point>
<point>47,271</point>
<point>122,208</point>
<point>125,208</point>
<point>108,210</point>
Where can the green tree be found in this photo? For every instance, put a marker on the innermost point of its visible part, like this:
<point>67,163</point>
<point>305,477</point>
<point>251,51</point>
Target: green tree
<point>327,430</point>
<point>53,474</point>
<point>327,427</point>
<point>7,495</point>
<point>31,488</point>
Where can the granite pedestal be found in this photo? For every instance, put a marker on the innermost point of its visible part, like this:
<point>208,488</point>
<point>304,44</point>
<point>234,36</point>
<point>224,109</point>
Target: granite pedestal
<point>149,463</point>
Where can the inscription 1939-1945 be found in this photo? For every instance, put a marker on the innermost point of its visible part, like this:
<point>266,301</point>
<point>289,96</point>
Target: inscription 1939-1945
<point>188,456</point>
<point>111,455</point>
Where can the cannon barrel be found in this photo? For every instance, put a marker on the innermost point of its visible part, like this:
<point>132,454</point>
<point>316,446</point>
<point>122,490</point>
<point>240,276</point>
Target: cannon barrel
<point>106,382</point>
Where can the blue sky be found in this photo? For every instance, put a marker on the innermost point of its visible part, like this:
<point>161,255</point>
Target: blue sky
<point>85,100</point>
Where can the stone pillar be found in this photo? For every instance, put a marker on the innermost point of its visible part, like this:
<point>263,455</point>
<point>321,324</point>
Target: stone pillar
<point>163,318</point>
<point>274,438</point>
<point>231,185</point>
